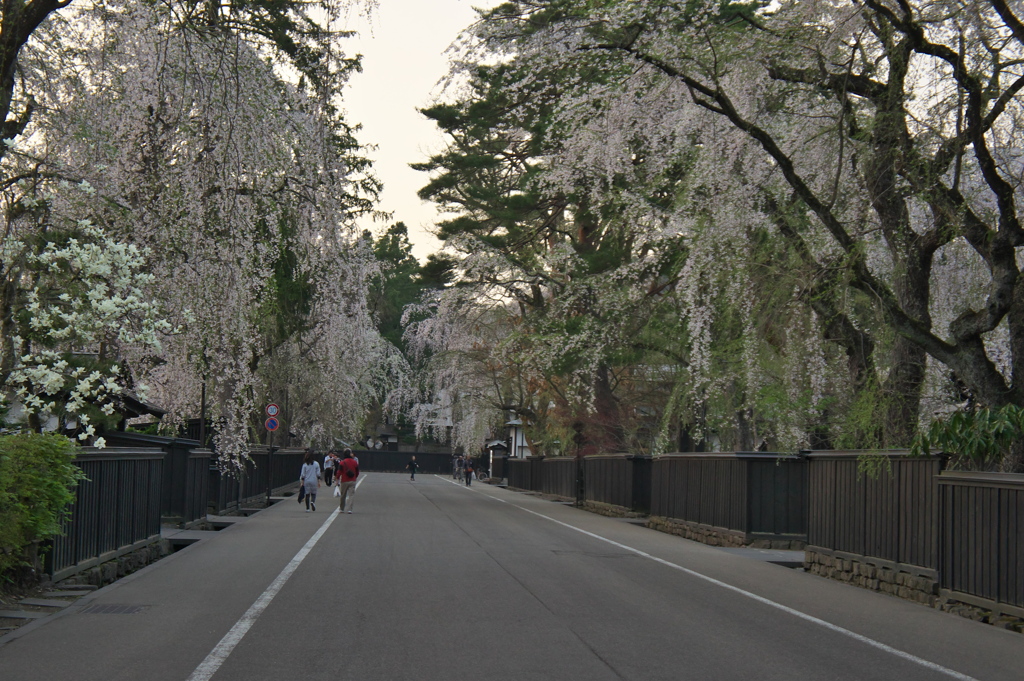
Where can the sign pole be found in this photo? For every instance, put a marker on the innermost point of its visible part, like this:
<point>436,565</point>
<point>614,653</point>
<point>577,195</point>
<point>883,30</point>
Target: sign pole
<point>272,423</point>
<point>270,454</point>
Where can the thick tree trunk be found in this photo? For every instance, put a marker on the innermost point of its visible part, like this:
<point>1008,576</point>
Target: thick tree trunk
<point>8,328</point>
<point>18,21</point>
<point>902,394</point>
<point>745,430</point>
<point>603,430</point>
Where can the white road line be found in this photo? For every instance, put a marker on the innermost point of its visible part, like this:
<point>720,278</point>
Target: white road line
<point>222,650</point>
<point>760,599</point>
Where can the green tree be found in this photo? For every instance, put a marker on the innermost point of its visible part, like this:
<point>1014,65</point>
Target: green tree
<point>396,283</point>
<point>561,255</point>
<point>37,482</point>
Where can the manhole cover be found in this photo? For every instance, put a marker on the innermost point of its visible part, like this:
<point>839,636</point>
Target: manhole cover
<point>113,609</point>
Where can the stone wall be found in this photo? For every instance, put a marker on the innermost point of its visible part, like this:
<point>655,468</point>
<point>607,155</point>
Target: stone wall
<point>903,581</point>
<point>610,510</point>
<point>977,613</point>
<point>720,536</point>
<point>113,570</point>
<point>705,534</point>
<point>906,581</point>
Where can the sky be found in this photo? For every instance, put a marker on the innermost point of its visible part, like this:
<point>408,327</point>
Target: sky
<point>403,47</point>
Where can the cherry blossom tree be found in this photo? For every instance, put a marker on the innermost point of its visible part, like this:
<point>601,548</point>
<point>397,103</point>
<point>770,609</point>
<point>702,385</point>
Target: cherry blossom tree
<point>211,134</point>
<point>592,265</point>
<point>871,145</point>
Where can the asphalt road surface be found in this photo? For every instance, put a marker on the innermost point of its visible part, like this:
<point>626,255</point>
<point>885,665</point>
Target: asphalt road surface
<point>435,581</point>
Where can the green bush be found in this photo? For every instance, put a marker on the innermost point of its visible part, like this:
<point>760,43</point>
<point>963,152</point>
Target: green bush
<point>978,440</point>
<point>37,483</point>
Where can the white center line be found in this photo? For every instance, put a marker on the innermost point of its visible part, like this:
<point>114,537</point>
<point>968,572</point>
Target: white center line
<point>208,667</point>
<point>760,599</point>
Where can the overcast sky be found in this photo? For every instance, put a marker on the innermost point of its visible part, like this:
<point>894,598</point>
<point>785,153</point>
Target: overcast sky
<point>403,47</point>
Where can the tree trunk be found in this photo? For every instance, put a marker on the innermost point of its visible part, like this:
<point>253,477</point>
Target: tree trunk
<point>602,429</point>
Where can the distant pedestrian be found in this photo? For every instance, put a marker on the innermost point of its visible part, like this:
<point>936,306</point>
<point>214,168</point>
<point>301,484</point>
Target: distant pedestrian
<point>309,478</point>
<point>468,468</point>
<point>347,472</point>
<point>455,468</point>
<point>329,467</point>
<point>412,466</point>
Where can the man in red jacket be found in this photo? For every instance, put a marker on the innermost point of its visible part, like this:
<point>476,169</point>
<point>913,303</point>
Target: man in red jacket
<point>347,472</point>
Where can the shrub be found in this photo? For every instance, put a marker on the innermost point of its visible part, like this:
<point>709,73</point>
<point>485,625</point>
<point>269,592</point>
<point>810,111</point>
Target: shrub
<point>37,482</point>
<point>982,439</point>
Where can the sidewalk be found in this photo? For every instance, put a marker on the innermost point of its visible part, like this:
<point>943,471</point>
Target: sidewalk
<point>191,597</point>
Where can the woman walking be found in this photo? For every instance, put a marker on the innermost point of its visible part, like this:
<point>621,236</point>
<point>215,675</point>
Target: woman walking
<point>309,478</point>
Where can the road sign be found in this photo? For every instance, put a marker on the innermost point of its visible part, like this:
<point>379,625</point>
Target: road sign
<point>273,409</point>
<point>272,424</point>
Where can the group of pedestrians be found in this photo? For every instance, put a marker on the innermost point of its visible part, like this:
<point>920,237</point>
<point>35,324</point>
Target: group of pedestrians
<point>341,471</point>
<point>462,469</point>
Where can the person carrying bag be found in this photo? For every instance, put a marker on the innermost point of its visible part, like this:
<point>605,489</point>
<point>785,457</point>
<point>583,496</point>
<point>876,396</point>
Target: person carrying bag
<point>348,471</point>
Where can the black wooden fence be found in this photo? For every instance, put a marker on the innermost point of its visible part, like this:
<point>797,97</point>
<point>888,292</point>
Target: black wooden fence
<point>185,490</point>
<point>982,525</point>
<point>528,473</point>
<point>519,474</point>
<point>233,490</point>
<point>752,495</point>
<point>618,479</point>
<point>116,509</point>
<point>559,475</point>
<point>892,516</point>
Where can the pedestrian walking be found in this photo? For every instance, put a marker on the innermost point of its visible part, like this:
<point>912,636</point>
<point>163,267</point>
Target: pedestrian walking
<point>309,478</point>
<point>347,472</point>
<point>412,466</point>
<point>468,467</point>
<point>329,467</point>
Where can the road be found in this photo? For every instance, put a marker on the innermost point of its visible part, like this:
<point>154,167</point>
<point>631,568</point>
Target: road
<point>435,581</point>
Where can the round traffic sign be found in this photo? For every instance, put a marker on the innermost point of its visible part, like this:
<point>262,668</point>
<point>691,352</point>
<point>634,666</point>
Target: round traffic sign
<point>272,423</point>
<point>273,409</point>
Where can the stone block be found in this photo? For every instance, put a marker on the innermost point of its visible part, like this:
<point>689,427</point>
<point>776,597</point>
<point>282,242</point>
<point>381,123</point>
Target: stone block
<point>94,576</point>
<point>928,586</point>
<point>108,572</point>
<point>1010,623</point>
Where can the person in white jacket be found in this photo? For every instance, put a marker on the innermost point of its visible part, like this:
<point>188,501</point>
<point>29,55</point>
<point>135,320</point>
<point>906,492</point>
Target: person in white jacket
<point>309,478</point>
<point>329,467</point>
